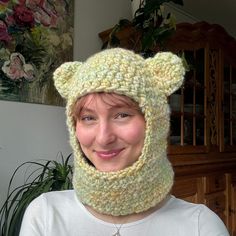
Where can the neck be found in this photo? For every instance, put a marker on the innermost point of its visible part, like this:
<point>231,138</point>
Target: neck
<point>126,218</point>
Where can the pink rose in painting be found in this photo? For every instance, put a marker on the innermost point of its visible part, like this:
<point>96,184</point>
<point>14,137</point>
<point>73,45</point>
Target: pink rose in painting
<point>21,2</point>
<point>4,36</point>
<point>45,19</point>
<point>29,73</point>
<point>23,16</point>
<point>4,2</point>
<point>16,68</point>
<point>33,4</point>
<point>43,13</point>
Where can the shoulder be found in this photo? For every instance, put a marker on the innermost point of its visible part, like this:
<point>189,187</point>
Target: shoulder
<point>54,199</point>
<point>67,195</point>
<point>51,213</point>
<point>51,201</point>
<point>207,221</point>
<point>188,209</point>
<point>185,207</point>
<point>181,206</point>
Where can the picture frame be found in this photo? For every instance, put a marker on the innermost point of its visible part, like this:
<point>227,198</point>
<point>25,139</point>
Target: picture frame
<point>36,36</point>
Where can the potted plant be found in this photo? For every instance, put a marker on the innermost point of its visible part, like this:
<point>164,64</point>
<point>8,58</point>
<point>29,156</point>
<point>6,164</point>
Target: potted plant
<point>40,177</point>
<point>146,32</point>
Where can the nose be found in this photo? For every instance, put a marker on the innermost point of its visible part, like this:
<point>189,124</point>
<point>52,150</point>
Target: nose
<point>105,133</point>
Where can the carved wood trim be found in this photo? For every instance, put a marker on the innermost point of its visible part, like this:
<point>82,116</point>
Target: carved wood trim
<point>198,35</point>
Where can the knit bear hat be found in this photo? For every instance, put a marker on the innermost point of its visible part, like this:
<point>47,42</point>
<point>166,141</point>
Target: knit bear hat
<point>147,81</point>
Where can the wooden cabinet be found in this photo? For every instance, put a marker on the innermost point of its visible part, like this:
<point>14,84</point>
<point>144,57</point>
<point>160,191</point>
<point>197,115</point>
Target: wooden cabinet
<point>202,141</point>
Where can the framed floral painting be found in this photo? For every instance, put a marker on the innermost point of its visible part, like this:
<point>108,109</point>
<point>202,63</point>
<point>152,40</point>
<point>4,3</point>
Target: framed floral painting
<point>36,36</point>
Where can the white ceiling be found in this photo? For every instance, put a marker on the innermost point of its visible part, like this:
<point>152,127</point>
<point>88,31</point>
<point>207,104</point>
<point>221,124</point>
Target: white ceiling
<point>212,11</point>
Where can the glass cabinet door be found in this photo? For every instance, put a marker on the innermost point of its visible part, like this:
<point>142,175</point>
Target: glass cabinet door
<point>188,108</point>
<point>229,108</point>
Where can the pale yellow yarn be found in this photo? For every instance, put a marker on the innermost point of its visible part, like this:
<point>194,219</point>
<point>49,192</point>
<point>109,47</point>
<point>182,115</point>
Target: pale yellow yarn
<point>149,82</point>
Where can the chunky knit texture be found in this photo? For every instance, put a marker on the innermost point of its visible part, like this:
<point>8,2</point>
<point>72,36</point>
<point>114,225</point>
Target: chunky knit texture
<point>149,82</point>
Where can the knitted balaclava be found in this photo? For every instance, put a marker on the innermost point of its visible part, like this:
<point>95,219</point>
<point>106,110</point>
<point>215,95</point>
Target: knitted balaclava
<point>147,81</point>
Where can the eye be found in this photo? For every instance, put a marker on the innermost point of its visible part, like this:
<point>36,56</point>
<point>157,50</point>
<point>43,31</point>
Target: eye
<point>121,115</point>
<point>87,118</point>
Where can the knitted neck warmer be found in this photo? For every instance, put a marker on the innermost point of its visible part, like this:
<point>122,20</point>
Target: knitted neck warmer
<point>147,81</point>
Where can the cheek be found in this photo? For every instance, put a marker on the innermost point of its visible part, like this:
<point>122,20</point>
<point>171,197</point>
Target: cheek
<point>84,137</point>
<point>135,134</point>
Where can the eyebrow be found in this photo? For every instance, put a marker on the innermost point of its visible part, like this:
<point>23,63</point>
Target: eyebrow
<point>109,108</point>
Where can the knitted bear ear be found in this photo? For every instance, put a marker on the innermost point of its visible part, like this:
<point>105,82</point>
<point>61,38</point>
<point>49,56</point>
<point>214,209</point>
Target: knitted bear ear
<point>167,71</point>
<point>63,76</point>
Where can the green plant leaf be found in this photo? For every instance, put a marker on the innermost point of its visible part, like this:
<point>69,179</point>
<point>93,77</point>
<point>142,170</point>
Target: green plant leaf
<point>40,177</point>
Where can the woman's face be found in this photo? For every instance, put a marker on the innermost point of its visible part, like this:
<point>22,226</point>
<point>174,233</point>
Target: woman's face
<point>111,130</point>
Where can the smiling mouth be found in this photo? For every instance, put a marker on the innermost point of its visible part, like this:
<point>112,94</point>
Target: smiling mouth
<point>108,154</point>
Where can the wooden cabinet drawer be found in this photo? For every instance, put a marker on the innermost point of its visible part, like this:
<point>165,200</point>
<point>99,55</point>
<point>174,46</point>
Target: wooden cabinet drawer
<point>215,183</point>
<point>186,189</point>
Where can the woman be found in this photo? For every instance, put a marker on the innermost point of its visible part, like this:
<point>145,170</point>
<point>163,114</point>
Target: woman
<point>118,120</point>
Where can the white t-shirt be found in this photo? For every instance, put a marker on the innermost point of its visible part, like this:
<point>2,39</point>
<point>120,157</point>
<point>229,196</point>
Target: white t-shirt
<point>62,214</point>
